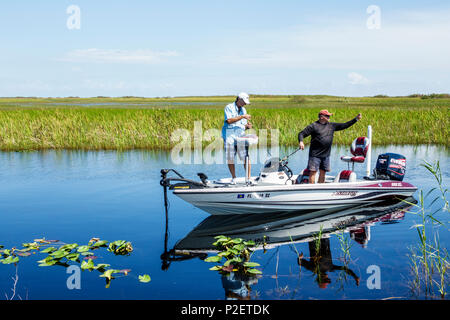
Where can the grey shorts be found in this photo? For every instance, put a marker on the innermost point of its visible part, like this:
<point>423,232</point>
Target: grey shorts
<point>319,163</point>
<point>232,148</point>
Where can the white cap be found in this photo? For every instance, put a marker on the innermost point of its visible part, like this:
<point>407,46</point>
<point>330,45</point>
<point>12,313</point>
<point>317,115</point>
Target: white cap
<point>244,96</point>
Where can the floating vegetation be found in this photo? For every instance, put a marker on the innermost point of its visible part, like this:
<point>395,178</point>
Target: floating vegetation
<point>236,253</point>
<point>66,254</point>
<point>144,278</point>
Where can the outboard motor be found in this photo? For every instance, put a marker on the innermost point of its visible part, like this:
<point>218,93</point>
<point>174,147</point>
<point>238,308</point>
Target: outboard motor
<point>390,166</point>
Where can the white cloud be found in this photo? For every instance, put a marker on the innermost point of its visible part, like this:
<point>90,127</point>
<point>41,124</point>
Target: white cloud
<point>118,56</point>
<point>356,78</point>
<point>412,41</point>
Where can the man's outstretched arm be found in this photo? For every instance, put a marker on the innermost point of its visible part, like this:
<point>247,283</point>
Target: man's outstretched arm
<point>345,125</point>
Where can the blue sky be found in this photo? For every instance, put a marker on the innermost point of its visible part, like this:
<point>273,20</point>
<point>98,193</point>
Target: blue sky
<point>177,48</point>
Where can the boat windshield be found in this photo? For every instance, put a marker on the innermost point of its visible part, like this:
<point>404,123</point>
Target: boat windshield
<point>272,165</point>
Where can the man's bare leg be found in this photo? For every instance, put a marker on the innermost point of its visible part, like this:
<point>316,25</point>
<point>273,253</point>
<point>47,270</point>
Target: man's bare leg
<point>312,177</point>
<point>232,169</point>
<point>322,176</point>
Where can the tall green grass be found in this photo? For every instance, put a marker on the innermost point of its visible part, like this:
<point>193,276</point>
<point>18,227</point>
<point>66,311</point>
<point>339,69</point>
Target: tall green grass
<point>41,125</point>
<point>429,260</point>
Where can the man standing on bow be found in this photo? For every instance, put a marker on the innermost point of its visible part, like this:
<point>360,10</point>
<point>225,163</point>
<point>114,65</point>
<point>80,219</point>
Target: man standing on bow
<point>321,132</point>
<point>234,126</point>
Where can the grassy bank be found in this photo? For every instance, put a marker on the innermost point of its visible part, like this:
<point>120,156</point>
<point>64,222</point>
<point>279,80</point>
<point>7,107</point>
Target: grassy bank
<point>130,123</point>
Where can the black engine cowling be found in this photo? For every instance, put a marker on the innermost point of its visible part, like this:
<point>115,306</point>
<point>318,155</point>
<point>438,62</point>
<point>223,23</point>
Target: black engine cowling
<point>390,166</point>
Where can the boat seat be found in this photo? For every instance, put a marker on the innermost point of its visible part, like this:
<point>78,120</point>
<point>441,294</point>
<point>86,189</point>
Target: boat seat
<point>345,176</point>
<point>359,150</point>
<point>303,177</point>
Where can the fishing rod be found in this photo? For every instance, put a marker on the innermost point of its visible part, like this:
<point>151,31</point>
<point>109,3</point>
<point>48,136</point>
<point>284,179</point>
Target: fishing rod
<point>286,157</point>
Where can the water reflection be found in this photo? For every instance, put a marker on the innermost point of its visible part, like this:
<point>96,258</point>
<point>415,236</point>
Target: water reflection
<point>273,231</point>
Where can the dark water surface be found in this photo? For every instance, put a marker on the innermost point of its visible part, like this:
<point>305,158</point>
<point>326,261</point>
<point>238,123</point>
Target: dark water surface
<point>73,196</point>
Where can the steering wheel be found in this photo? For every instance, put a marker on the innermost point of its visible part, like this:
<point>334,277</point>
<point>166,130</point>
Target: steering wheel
<point>286,169</point>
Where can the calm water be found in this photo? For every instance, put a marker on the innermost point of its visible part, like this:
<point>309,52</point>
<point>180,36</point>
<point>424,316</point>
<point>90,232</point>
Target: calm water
<point>73,196</point>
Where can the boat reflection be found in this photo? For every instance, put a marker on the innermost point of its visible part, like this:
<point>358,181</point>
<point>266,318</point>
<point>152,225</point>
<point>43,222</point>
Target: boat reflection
<point>270,231</point>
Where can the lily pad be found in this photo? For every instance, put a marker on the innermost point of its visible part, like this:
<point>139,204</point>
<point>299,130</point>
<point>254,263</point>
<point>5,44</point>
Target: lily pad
<point>49,250</point>
<point>108,274</point>
<point>9,260</point>
<point>87,265</point>
<point>251,264</point>
<point>213,259</point>
<point>73,256</point>
<point>144,278</point>
<point>83,248</point>
<point>254,271</point>
<point>59,254</point>
<point>100,243</point>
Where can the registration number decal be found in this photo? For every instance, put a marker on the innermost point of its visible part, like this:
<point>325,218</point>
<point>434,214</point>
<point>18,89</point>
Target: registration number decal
<point>345,193</point>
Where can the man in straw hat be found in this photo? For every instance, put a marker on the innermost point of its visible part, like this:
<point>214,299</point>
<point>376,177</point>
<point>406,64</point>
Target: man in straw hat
<point>321,133</point>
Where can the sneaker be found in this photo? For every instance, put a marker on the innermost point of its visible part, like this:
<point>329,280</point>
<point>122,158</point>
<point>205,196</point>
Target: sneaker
<point>233,182</point>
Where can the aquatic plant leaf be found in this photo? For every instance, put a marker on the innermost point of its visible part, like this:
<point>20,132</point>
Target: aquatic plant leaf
<point>216,268</point>
<point>251,264</point>
<point>221,237</point>
<point>254,271</point>
<point>47,263</point>
<point>87,265</point>
<point>73,256</point>
<point>59,254</point>
<point>69,246</point>
<point>101,266</point>
<point>99,243</point>
<point>144,278</point>
<point>23,254</point>
<point>213,259</point>
<point>31,245</point>
<point>9,260</point>
<point>250,243</point>
<point>83,249</point>
<point>49,250</point>
<point>120,247</point>
<point>108,273</point>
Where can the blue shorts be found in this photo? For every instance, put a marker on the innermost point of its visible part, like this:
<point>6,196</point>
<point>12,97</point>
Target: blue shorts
<point>316,164</point>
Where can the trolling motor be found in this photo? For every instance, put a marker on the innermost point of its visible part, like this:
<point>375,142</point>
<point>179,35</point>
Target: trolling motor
<point>183,182</point>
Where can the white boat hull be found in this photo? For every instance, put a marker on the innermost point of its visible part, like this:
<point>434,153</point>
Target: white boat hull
<point>293,198</point>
